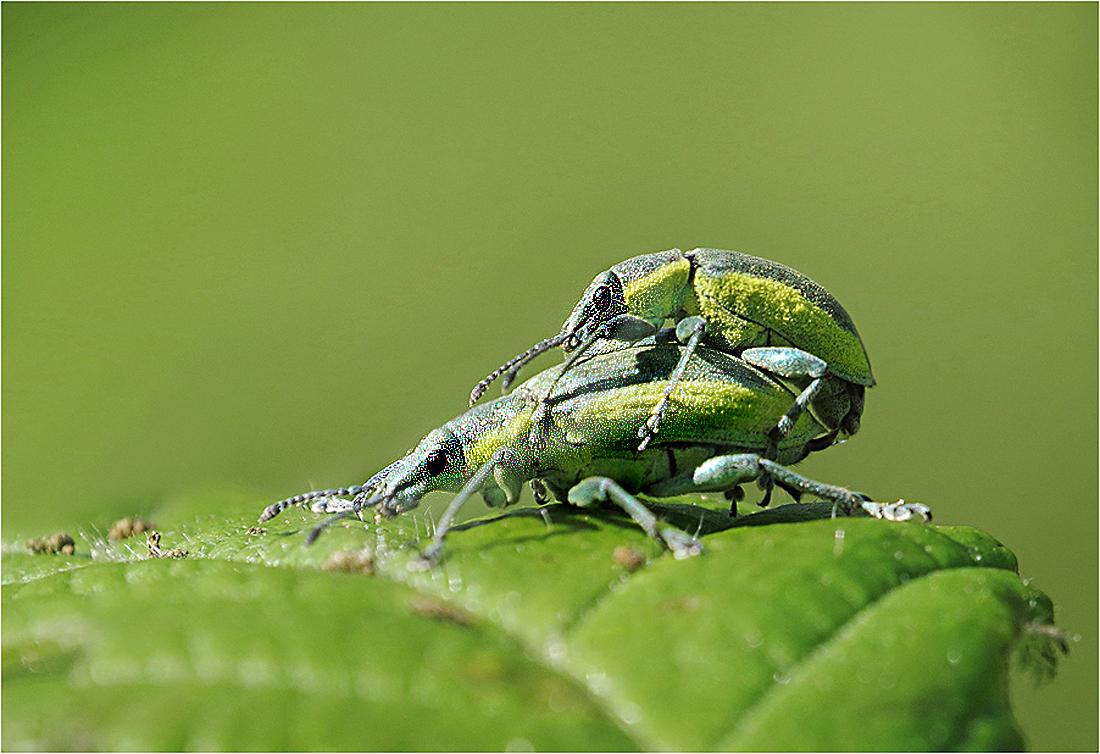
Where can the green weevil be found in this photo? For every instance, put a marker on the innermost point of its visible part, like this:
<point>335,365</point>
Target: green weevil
<point>769,315</point>
<point>579,444</point>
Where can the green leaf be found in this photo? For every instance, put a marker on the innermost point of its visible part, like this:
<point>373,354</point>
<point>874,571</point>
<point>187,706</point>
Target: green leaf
<point>548,628</point>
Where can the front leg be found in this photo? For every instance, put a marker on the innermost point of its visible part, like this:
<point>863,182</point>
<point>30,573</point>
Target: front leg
<point>431,555</point>
<point>689,331</point>
<point>597,488</point>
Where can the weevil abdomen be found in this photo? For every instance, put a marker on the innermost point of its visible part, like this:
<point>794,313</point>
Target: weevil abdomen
<point>759,302</point>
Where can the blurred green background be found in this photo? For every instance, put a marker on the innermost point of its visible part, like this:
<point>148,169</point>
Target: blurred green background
<point>269,246</point>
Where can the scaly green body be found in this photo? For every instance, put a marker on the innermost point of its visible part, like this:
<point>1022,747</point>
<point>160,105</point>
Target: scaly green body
<point>591,418</point>
<point>768,314</point>
<point>573,431</point>
<point>752,302</point>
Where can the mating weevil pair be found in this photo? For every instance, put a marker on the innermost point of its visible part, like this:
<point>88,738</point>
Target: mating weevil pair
<point>711,419</point>
<point>769,315</point>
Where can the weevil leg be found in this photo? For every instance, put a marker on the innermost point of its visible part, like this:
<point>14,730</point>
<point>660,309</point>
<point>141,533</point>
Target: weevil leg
<point>431,554</point>
<point>738,469</point>
<point>726,473</point>
<point>595,489</point>
<point>767,484</point>
<point>541,493</point>
<point>717,474</point>
<point>801,403</point>
<point>899,511</point>
<point>315,532</point>
<point>540,425</point>
<point>690,330</point>
<point>734,495</point>
<point>790,363</point>
<point>787,362</point>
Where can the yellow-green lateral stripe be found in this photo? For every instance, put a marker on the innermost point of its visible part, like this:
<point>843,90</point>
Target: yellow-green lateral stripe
<point>789,313</point>
<point>660,292</point>
<point>699,411</point>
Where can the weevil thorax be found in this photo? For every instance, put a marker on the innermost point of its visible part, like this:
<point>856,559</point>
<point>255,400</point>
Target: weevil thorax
<point>650,286</point>
<point>657,286</point>
<point>501,424</point>
<point>449,456</point>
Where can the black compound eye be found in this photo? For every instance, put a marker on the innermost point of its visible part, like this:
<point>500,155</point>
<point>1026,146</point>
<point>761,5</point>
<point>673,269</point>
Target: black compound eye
<point>601,299</point>
<point>437,463</point>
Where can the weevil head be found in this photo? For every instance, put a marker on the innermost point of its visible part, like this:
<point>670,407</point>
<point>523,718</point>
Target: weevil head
<point>448,457</point>
<point>602,301</point>
<point>651,287</point>
<point>437,463</point>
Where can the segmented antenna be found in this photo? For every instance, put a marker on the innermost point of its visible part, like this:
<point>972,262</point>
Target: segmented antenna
<point>513,366</point>
<point>509,376</point>
<point>275,509</point>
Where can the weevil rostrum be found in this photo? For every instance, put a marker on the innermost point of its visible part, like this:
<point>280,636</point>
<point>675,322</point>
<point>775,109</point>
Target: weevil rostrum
<point>771,316</point>
<point>572,432</point>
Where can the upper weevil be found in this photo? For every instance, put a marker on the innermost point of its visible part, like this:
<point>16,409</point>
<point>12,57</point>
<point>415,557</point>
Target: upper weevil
<point>771,316</point>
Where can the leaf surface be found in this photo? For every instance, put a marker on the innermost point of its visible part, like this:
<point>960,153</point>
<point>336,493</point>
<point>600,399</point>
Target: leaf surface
<point>550,628</point>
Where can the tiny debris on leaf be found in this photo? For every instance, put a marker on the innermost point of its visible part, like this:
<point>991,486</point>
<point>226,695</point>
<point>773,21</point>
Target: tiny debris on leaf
<point>152,541</point>
<point>129,527</point>
<point>59,542</point>
<point>630,558</point>
<point>350,560</point>
<point>437,609</point>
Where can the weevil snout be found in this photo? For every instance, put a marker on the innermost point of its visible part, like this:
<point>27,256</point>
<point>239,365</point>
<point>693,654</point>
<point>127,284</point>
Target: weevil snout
<point>394,497</point>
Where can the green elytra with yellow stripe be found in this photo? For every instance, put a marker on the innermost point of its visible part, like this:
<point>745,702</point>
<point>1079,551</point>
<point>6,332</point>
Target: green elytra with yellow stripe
<point>751,301</point>
<point>571,432</point>
<point>591,416</point>
<point>770,315</point>
<point>591,413</point>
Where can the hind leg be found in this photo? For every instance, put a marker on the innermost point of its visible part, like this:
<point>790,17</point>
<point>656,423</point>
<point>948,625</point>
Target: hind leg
<point>723,473</point>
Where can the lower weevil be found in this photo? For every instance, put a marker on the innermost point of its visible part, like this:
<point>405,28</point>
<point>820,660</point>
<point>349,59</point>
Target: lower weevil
<point>579,444</point>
